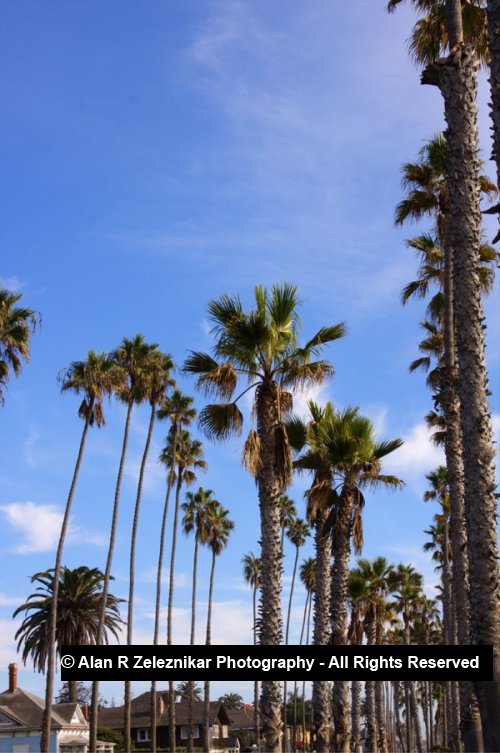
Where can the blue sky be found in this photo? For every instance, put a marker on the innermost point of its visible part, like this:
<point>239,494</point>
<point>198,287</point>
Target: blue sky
<point>153,158</point>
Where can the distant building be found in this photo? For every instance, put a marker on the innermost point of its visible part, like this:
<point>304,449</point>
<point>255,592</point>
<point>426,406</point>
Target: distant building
<point>21,715</point>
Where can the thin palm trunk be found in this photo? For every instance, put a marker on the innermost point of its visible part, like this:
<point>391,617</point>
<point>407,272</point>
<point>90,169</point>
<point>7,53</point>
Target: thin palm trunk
<point>341,548</point>
<point>171,694</point>
<point>130,615</point>
<point>107,575</point>
<point>304,682</point>
<point>321,692</point>
<point>49,686</point>
<point>295,685</point>
<point>208,640</point>
<point>356,715</point>
<point>456,78</point>
<point>270,488</point>
<point>380,716</point>
<point>286,736</point>
<point>190,741</point>
<point>153,710</point>
<point>371,703</point>
<point>256,718</point>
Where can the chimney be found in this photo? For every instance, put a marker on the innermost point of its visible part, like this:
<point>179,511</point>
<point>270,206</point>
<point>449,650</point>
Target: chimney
<point>12,677</point>
<point>85,711</point>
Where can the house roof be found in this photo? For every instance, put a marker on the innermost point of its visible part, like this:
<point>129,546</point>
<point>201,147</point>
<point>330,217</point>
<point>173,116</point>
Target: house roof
<point>242,718</point>
<point>26,709</point>
<point>140,713</point>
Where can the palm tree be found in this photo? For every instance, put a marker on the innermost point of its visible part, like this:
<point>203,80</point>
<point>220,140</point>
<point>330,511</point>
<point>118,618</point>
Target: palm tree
<point>157,379</point>
<point>94,379</point>
<point>189,689</point>
<point>456,78</point>
<point>178,409</point>
<point>17,324</point>
<point>288,513</point>
<point>493,15</point>
<point>78,610</point>
<point>196,512</point>
<point>341,450</point>
<point>232,700</point>
<point>219,530</point>
<point>252,567</point>
<point>297,533</point>
<point>307,575</point>
<point>131,361</point>
<point>262,346</point>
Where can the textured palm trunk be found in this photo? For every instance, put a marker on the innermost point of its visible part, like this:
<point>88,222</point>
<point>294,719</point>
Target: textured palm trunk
<point>94,710</point>
<point>321,690</point>
<point>270,488</point>
<point>452,696</point>
<point>49,685</point>
<point>208,641</point>
<point>470,720</point>
<point>371,703</point>
<point>356,716</point>
<point>171,694</point>
<point>494,48</point>
<point>304,682</point>
<point>415,719</point>
<point>341,549</point>
<point>256,720</point>
<point>152,744</point>
<point>397,716</point>
<point>380,713</point>
<point>456,78</point>
<point>130,615</point>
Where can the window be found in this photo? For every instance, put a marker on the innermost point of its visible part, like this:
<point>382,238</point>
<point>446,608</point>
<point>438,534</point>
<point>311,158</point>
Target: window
<point>143,735</point>
<point>185,731</point>
<point>215,730</point>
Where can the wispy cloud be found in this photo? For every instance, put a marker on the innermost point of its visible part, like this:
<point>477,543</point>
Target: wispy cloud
<point>39,526</point>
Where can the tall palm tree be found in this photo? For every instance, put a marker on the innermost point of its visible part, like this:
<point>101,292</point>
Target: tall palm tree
<point>252,566</point>
<point>288,513</point>
<point>307,575</point>
<point>196,518</point>
<point>341,450</point>
<point>493,15</point>
<point>131,360</point>
<point>219,530</point>
<point>78,610</point>
<point>189,689</point>
<point>262,347</point>
<point>157,378</point>
<point>456,78</point>
<point>178,409</point>
<point>94,379</point>
<point>17,324</point>
<point>188,455</point>
<point>297,533</point>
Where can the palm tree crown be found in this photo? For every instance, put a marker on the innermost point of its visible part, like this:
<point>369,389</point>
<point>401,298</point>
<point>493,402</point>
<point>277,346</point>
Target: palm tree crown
<point>17,324</point>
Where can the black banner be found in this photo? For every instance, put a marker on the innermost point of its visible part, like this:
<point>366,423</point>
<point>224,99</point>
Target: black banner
<point>277,663</point>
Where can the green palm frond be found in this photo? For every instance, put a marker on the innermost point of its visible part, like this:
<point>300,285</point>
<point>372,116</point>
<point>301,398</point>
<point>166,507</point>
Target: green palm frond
<point>224,310</point>
<point>420,363</point>
<point>296,374</point>
<point>323,336</point>
<point>214,379</point>
<point>219,421</point>
<point>296,429</point>
<point>385,448</point>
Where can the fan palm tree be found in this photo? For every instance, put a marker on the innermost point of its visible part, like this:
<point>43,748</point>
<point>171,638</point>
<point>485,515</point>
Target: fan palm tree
<point>188,454</point>
<point>262,346</point>
<point>288,513</point>
<point>189,689</point>
<point>232,700</point>
<point>17,324</point>
<point>178,409</point>
<point>92,378</point>
<point>252,567</point>
<point>78,610</point>
<point>157,379</point>
<point>131,360</point>
<point>493,14</point>
<point>297,533</point>
<point>341,450</point>
<point>196,517</point>
<point>307,575</point>
<point>456,78</point>
<point>219,529</point>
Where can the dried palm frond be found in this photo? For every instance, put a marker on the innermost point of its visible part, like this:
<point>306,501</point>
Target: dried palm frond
<point>282,456</point>
<point>251,453</point>
<point>220,421</point>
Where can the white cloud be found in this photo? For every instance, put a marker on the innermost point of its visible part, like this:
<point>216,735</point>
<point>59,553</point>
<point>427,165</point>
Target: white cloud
<point>30,447</point>
<point>40,525</point>
<point>417,455</point>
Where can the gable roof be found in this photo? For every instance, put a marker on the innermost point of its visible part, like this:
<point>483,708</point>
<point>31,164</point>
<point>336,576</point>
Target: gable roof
<point>26,709</point>
<point>140,713</point>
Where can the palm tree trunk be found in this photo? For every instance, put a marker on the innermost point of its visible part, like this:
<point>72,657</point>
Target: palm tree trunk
<point>270,488</point>
<point>49,685</point>
<point>107,576</point>
<point>208,641</point>
<point>256,718</point>
<point>304,682</point>
<point>130,615</point>
<point>494,49</point>
<point>286,737</point>
<point>341,548</point>
<point>171,694</point>
<point>356,716</point>
<point>321,691</point>
<point>456,78</point>
<point>190,741</point>
<point>380,715</point>
<point>152,744</point>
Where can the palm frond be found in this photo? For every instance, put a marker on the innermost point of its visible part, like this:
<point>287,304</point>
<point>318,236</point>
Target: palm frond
<point>323,336</point>
<point>296,374</point>
<point>219,421</point>
<point>251,453</point>
<point>385,448</point>
<point>297,433</point>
